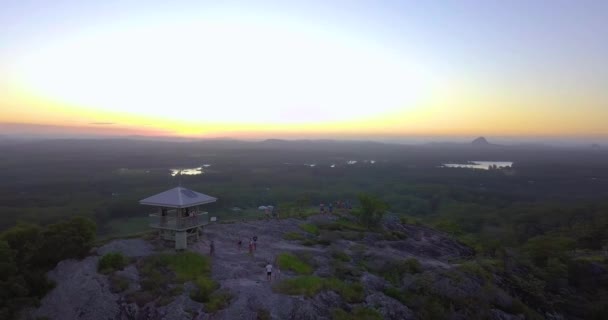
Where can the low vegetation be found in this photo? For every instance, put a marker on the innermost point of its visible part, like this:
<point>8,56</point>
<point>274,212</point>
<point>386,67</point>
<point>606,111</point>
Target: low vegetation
<point>163,274</point>
<point>309,286</point>
<point>310,228</point>
<point>218,300</point>
<point>293,236</point>
<point>289,261</point>
<point>394,271</point>
<point>111,262</point>
<point>28,252</point>
<point>358,313</point>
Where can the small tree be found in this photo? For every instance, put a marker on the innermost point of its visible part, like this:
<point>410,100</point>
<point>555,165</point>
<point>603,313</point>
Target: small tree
<point>372,210</point>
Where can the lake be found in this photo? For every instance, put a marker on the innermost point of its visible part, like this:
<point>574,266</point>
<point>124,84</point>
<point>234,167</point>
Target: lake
<point>187,171</point>
<point>482,165</point>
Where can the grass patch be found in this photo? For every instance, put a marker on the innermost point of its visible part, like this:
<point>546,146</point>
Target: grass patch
<point>111,262</point>
<point>204,288</point>
<point>395,270</point>
<point>343,224</point>
<point>309,286</point>
<point>394,235</point>
<point>475,269</point>
<point>218,301</point>
<point>293,236</point>
<point>343,271</point>
<point>162,275</point>
<point>352,235</point>
<point>340,255</point>
<point>396,294</point>
<point>358,313</point>
<point>351,292</point>
<point>303,285</point>
<point>310,228</point>
<point>187,266</point>
<point>290,262</point>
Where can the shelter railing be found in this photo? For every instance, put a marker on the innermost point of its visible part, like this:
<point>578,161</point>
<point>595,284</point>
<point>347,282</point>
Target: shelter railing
<point>178,223</point>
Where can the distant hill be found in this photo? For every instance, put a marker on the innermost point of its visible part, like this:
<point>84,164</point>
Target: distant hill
<point>480,142</point>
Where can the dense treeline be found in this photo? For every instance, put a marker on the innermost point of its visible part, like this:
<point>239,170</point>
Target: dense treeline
<point>555,257</point>
<point>28,252</point>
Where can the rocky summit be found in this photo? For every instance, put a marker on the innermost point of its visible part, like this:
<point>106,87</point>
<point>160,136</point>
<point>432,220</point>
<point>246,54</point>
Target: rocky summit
<point>325,267</point>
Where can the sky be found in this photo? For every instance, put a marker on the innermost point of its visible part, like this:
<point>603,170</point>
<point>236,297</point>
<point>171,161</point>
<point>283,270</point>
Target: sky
<point>305,69</point>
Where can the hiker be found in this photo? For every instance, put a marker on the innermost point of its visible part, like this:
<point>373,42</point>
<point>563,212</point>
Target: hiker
<point>255,243</point>
<point>250,246</point>
<point>240,244</point>
<point>269,271</point>
<point>211,248</point>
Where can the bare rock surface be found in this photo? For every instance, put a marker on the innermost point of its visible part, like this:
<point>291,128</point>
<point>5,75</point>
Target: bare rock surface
<point>81,293</point>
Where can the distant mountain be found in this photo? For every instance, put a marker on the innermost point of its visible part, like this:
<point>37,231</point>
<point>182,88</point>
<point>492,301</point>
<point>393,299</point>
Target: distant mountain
<point>480,142</point>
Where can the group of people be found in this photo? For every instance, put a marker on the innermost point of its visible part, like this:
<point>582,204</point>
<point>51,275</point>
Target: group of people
<point>253,244</point>
<point>271,212</point>
<point>340,204</point>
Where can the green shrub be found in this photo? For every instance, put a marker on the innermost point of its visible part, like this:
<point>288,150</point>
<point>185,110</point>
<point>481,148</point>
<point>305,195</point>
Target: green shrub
<point>351,292</point>
<point>413,265</point>
<point>352,235</point>
<point>218,301</point>
<point>187,265</point>
<point>395,270</point>
<point>432,309</point>
<point>204,289</point>
<point>311,285</point>
<point>344,271</point>
<point>293,236</point>
<point>396,294</point>
<point>290,262</point>
<point>394,235</point>
<point>343,224</point>
<point>111,262</point>
<point>371,211</point>
<point>358,313</point>
<point>303,285</point>
<point>263,314</point>
<point>340,255</point>
<point>310,228</point>
<point>475,269</point>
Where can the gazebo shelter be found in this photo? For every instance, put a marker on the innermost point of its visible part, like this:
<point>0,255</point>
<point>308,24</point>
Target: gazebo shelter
<point>179,218</point>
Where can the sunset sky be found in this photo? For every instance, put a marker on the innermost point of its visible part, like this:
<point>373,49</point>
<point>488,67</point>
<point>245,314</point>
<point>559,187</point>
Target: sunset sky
<point>306,69</point>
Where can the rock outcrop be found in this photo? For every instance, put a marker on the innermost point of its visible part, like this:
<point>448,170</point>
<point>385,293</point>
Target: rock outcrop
<point>82,293</point>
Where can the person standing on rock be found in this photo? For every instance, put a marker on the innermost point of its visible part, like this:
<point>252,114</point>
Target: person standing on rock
<point>240,243</point>
<point>211,248</point>
<point>255,243</point>
<point>269,271</point>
